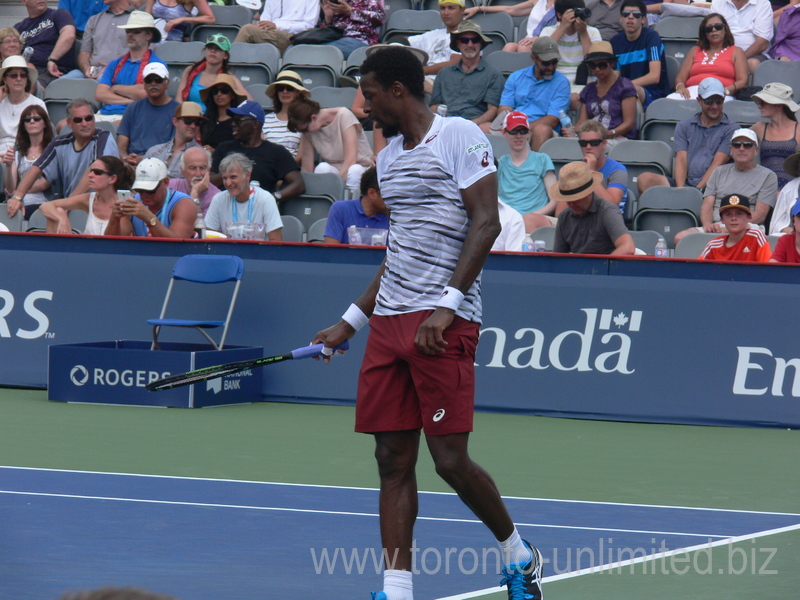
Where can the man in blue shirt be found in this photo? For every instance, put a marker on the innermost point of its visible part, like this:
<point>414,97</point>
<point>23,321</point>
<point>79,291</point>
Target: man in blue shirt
<point>81,11</point>
<point>367,211</point>
<point>541,92</point>
<point>640,53</point>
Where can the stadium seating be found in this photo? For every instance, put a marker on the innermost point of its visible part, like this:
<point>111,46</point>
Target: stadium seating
<point>332,97</point>
<point>646,240</point>
<point>229,21</point>
<point>499,145</point>
<point>178,56</point>
<point>293,230</point>
<point>546,234</point>
<point>693,244</point>
<point>743,112</point>
<point>259,93</point>
<point>497,26</point>
<point>61,92</point>
<point>773,240</point>
<point>13,223</point>
<point>316,233</point>
<point>254,63</point>
<point>37,222</point>
<point>668,211</point>
<point>353,64</point>
<point>508,62</point>
<point>317,65</point>
<point>411,22</point>
<point>679,34</point>
<point>784,71</point>
<point>641,156</point>
<point>562,151</point>
<point>661,117</point>
<point>322,190</point>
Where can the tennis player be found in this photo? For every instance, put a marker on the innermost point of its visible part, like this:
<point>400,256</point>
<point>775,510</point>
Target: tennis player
<point>424,310</point>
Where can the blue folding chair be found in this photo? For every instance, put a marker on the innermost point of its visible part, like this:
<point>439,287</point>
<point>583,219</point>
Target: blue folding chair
<point>201,268</point>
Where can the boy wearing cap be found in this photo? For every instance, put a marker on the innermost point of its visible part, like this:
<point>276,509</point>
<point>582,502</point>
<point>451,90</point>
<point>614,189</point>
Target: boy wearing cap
<point>437,42</point>
<point>702,142</point>
<point>743,177</point>
<point>147,122</point>
<point>788,248</point>
<point>742,243</point>
<point>122,81</point>
<point>524,176</point>
<point>187,121</point>
<point>540,92</point>
<point>589,224</point>
<point>470,88</point>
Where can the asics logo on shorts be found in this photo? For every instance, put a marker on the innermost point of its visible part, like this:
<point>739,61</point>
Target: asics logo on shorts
<point>438,415</point>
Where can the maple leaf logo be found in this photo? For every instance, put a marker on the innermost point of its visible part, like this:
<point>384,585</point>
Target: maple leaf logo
<point>620,320</point>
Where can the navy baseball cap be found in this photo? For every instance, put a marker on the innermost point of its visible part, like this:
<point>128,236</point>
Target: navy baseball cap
<point>248,108</point>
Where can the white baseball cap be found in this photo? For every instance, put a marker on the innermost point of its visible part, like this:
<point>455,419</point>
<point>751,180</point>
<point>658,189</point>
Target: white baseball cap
<point>149,173</point>
<point>156,68</point>
<point>745,133</point>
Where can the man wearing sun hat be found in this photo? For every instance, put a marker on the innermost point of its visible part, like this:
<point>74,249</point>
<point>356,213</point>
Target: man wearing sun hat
<point>122,81</point>
<point>470,88</point>
<point>279,21</point>
<point>589,224</point>
<point>744,176</point>
<point>187,121</point>
<point>147,122</point>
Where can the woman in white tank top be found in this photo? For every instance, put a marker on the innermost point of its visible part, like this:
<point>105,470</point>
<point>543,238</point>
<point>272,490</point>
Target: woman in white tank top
<point>107,176</point>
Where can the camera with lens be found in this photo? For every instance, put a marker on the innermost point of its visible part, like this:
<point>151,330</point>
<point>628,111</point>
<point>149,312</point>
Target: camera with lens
<point>582,13</point>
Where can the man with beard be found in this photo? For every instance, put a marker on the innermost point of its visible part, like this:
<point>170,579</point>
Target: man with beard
<point>438,180</point>
<point>540,91</point>
<point>147,122</point>
<point>271,163</point>
<point>470,88</point>
<point>157,211</point>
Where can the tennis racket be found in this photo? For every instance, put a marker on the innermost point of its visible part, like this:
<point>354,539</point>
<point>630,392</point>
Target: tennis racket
<point>206,373</point>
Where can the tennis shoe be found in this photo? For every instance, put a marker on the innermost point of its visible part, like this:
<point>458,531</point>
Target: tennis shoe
<point>524,581</point>
<point>378,595</point>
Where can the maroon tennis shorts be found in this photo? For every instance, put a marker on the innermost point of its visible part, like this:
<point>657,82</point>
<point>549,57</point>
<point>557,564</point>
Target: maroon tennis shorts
<point>400,388</point>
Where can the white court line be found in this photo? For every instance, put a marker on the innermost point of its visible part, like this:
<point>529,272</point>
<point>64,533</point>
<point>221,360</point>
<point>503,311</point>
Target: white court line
<point>344,487</point>
<point>339,512</point>
<point>635,561</point>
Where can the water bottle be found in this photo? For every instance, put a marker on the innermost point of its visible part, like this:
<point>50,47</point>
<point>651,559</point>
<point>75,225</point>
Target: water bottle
<point>661,248</point>
<point>527,244</point>
<point>566,124</point>
<point>199,223</point>
<point>27,53</point>
<point>441,110</point>
<point>353,235</point>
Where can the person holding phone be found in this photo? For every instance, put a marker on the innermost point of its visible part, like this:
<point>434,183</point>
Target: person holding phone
<point>361,21</point>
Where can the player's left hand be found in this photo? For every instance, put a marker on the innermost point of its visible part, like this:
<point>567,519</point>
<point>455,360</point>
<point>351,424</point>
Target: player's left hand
<point>429,339</point>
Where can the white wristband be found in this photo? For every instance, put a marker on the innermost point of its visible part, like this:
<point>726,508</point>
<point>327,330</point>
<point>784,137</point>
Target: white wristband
<point>451,298</point>
<point>355,317</point>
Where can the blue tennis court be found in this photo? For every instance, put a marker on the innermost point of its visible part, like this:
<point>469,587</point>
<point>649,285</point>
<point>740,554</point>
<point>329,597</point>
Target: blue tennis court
<point>207,539</point>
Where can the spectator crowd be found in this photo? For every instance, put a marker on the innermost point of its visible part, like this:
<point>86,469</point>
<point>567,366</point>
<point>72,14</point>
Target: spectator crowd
<point>158,149</point>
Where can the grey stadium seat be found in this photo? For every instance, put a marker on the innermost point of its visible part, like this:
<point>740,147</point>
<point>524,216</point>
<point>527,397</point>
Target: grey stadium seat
<point>411,22</point>
<point>317,65</point>
<point>497,26</point>
<point>662,115</point>
<point>316,233</point>
<point>668,210</point>
<point>562,151</point>
<point>293,230</point>
<point>508,62</point>
<point>229,21</point>
<point>322,190</point>
<point>332,97</point>
<point>692,245</point>
<point>640,156</point>
<point>646,240</point>
<point>783,71</point>
<point>254,63</point>
<point>679,34</point>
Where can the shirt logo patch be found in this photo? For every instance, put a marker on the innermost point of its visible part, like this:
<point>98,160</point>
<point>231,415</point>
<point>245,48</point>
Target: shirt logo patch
<point>478,147</point>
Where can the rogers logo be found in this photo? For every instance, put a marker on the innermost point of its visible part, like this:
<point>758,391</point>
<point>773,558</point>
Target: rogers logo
<point>79,375</point>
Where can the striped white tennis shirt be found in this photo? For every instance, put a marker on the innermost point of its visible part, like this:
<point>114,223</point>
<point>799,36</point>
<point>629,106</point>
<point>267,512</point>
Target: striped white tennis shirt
<point>428,221</point>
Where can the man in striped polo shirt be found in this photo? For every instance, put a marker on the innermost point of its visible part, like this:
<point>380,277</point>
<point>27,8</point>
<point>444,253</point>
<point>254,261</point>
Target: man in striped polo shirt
<point>438,179</point>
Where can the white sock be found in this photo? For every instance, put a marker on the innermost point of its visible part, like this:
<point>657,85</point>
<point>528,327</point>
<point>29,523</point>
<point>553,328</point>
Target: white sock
<point>397,585</point>
<point>514,551</point>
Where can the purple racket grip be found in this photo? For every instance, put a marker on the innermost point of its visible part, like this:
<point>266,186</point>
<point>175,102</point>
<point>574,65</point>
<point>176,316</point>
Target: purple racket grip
<point>316,350</point>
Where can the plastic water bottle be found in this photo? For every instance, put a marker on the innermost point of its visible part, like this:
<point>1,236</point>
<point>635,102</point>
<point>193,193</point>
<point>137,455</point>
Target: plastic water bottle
<point>661,248</point>
<point>566,124</point>
<point>441,110</point>
<point>27,53</point>
<point>353,235</point>
<point>527,244</point>
<point>199,223</point>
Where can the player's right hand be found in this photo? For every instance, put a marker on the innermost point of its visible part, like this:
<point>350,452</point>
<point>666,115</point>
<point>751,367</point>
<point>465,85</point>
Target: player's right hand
<point>333,336</point>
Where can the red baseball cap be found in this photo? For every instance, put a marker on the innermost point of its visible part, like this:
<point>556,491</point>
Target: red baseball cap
<point>516,119</point>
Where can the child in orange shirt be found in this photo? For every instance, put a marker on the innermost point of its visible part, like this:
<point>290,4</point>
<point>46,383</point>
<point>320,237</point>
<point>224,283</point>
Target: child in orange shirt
<point>741,243</point>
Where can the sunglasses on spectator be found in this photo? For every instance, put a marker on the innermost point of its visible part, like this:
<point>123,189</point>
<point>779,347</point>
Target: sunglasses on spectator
<point>714,27</point>
<point>518,131</point>
<point>713,100</point>
<point>223,89</point>
<point>99,172</point>
<point>468,39</point>
<point>549,63</point>
<point>17,75</point>
<point>87,118</point>
<point>593,143</point>
<point>135,31</point>
<point>34,118</point>
<point>239,119</point>
<point>189,121</point>
<point>154,79</point>
<point>742,144</point>
<point>635,13</point>
<point>602,65</point>
<point>284,88</point>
